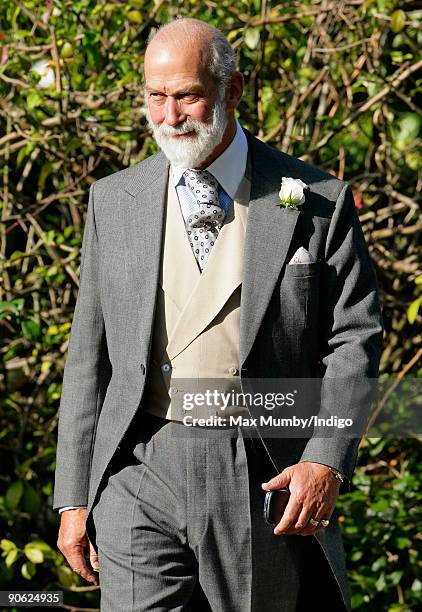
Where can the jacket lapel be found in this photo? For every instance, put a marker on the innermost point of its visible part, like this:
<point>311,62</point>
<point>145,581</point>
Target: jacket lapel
<point>269,233</point>
<point>147,183</point>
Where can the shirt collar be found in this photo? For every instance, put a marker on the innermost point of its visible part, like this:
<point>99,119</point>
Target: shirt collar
<point>229,167</point>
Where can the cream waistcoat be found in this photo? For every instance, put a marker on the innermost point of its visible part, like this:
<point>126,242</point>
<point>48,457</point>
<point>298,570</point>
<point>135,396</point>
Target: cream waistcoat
<point>197,318</point>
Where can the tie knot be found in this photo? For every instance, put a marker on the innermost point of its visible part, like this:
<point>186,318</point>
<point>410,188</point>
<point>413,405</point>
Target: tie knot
<point>203,185</point>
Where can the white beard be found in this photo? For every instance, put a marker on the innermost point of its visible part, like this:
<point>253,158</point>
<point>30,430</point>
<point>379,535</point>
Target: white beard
<point>190,151</point>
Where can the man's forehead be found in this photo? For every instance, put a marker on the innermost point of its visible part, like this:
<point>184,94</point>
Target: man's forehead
<point>176,76</point>
<point>175,58</point>
<point>174,87</point>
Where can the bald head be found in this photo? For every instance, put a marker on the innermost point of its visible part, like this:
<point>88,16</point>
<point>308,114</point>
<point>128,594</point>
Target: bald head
<point>179,31</point>
<point>204,43</point>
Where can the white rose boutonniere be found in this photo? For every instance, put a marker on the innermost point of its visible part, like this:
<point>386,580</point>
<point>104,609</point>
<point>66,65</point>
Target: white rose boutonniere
<point>292,192</point>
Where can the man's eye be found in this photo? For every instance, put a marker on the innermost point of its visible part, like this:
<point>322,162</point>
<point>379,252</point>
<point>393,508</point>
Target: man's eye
<point>189,97</point>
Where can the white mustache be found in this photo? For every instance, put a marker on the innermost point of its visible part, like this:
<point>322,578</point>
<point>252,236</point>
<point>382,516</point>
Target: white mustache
<point>168,130</point>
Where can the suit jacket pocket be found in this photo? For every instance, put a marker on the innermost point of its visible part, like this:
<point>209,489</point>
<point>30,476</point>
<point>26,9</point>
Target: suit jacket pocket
<point>302,269</point>
<point>299,296</point>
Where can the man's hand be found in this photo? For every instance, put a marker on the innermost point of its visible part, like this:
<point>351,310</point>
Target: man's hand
<point>73,542</point>
<point>313,493</point>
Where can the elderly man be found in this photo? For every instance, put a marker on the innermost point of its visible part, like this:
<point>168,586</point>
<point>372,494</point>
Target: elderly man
<point>191,271</point>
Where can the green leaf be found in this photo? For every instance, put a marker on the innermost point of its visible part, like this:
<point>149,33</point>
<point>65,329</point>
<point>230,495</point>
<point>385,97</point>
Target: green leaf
<point>30,329</point>
<point>381,583</point>
<point>413,309</point>
<point>67,50</point>
<point>49,237</point>
<point>14,494</point>
<point>252,36</point>
<point>90,42</point>
<point>395,577</point>
<point>407,130</point>
<point>380,506</point>
<point>135,17</point>
<point>272,119</point>
<point>66,577</point>
<point>123,66</point>
<point>43,546</point>
<point>357,600</point>
<point>357,554</point>
<point>33,100</point>
<point>11,557</point>
<point>17,255</point>
<point>413,160</point>
<point>402,543</point>
<point>15,306</point>
<point>398,21</point>
<point>33,553</point>
<point>7,545</point>
<point>28,570</point>
<point>378,564</point>
<point>31,501</point>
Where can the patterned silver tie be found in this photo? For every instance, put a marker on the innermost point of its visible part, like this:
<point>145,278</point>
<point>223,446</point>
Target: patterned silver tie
<point>204,225</point>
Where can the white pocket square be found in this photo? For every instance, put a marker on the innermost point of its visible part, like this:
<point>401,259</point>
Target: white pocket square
<point>302,256</point>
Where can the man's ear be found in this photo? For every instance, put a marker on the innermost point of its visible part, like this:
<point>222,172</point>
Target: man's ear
<point>235,91</point>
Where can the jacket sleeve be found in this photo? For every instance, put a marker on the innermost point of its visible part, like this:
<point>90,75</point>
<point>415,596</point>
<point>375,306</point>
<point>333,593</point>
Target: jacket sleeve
<point>86,374</point>
<point>351,340</point>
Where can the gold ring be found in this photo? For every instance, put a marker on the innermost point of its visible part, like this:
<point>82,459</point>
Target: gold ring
<point>325,522</point>
<point>314,522</point>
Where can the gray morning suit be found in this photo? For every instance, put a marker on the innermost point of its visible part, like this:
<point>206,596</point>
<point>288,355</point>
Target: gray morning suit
<point>165,509</point>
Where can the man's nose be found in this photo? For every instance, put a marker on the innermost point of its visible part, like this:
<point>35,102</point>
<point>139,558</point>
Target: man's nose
<point>173,112</point>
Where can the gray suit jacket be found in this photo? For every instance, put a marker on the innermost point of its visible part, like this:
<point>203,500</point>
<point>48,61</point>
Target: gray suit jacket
<point>304,320</point>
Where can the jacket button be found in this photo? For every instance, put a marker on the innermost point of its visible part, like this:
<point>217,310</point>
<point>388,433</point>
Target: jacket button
<point>166,367</point>
<point>233,371</point>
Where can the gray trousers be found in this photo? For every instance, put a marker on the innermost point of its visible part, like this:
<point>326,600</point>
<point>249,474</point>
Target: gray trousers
<point>179,526</point>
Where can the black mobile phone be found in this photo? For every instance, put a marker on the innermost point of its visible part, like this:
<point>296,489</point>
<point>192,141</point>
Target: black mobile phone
<point>275,503</point>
